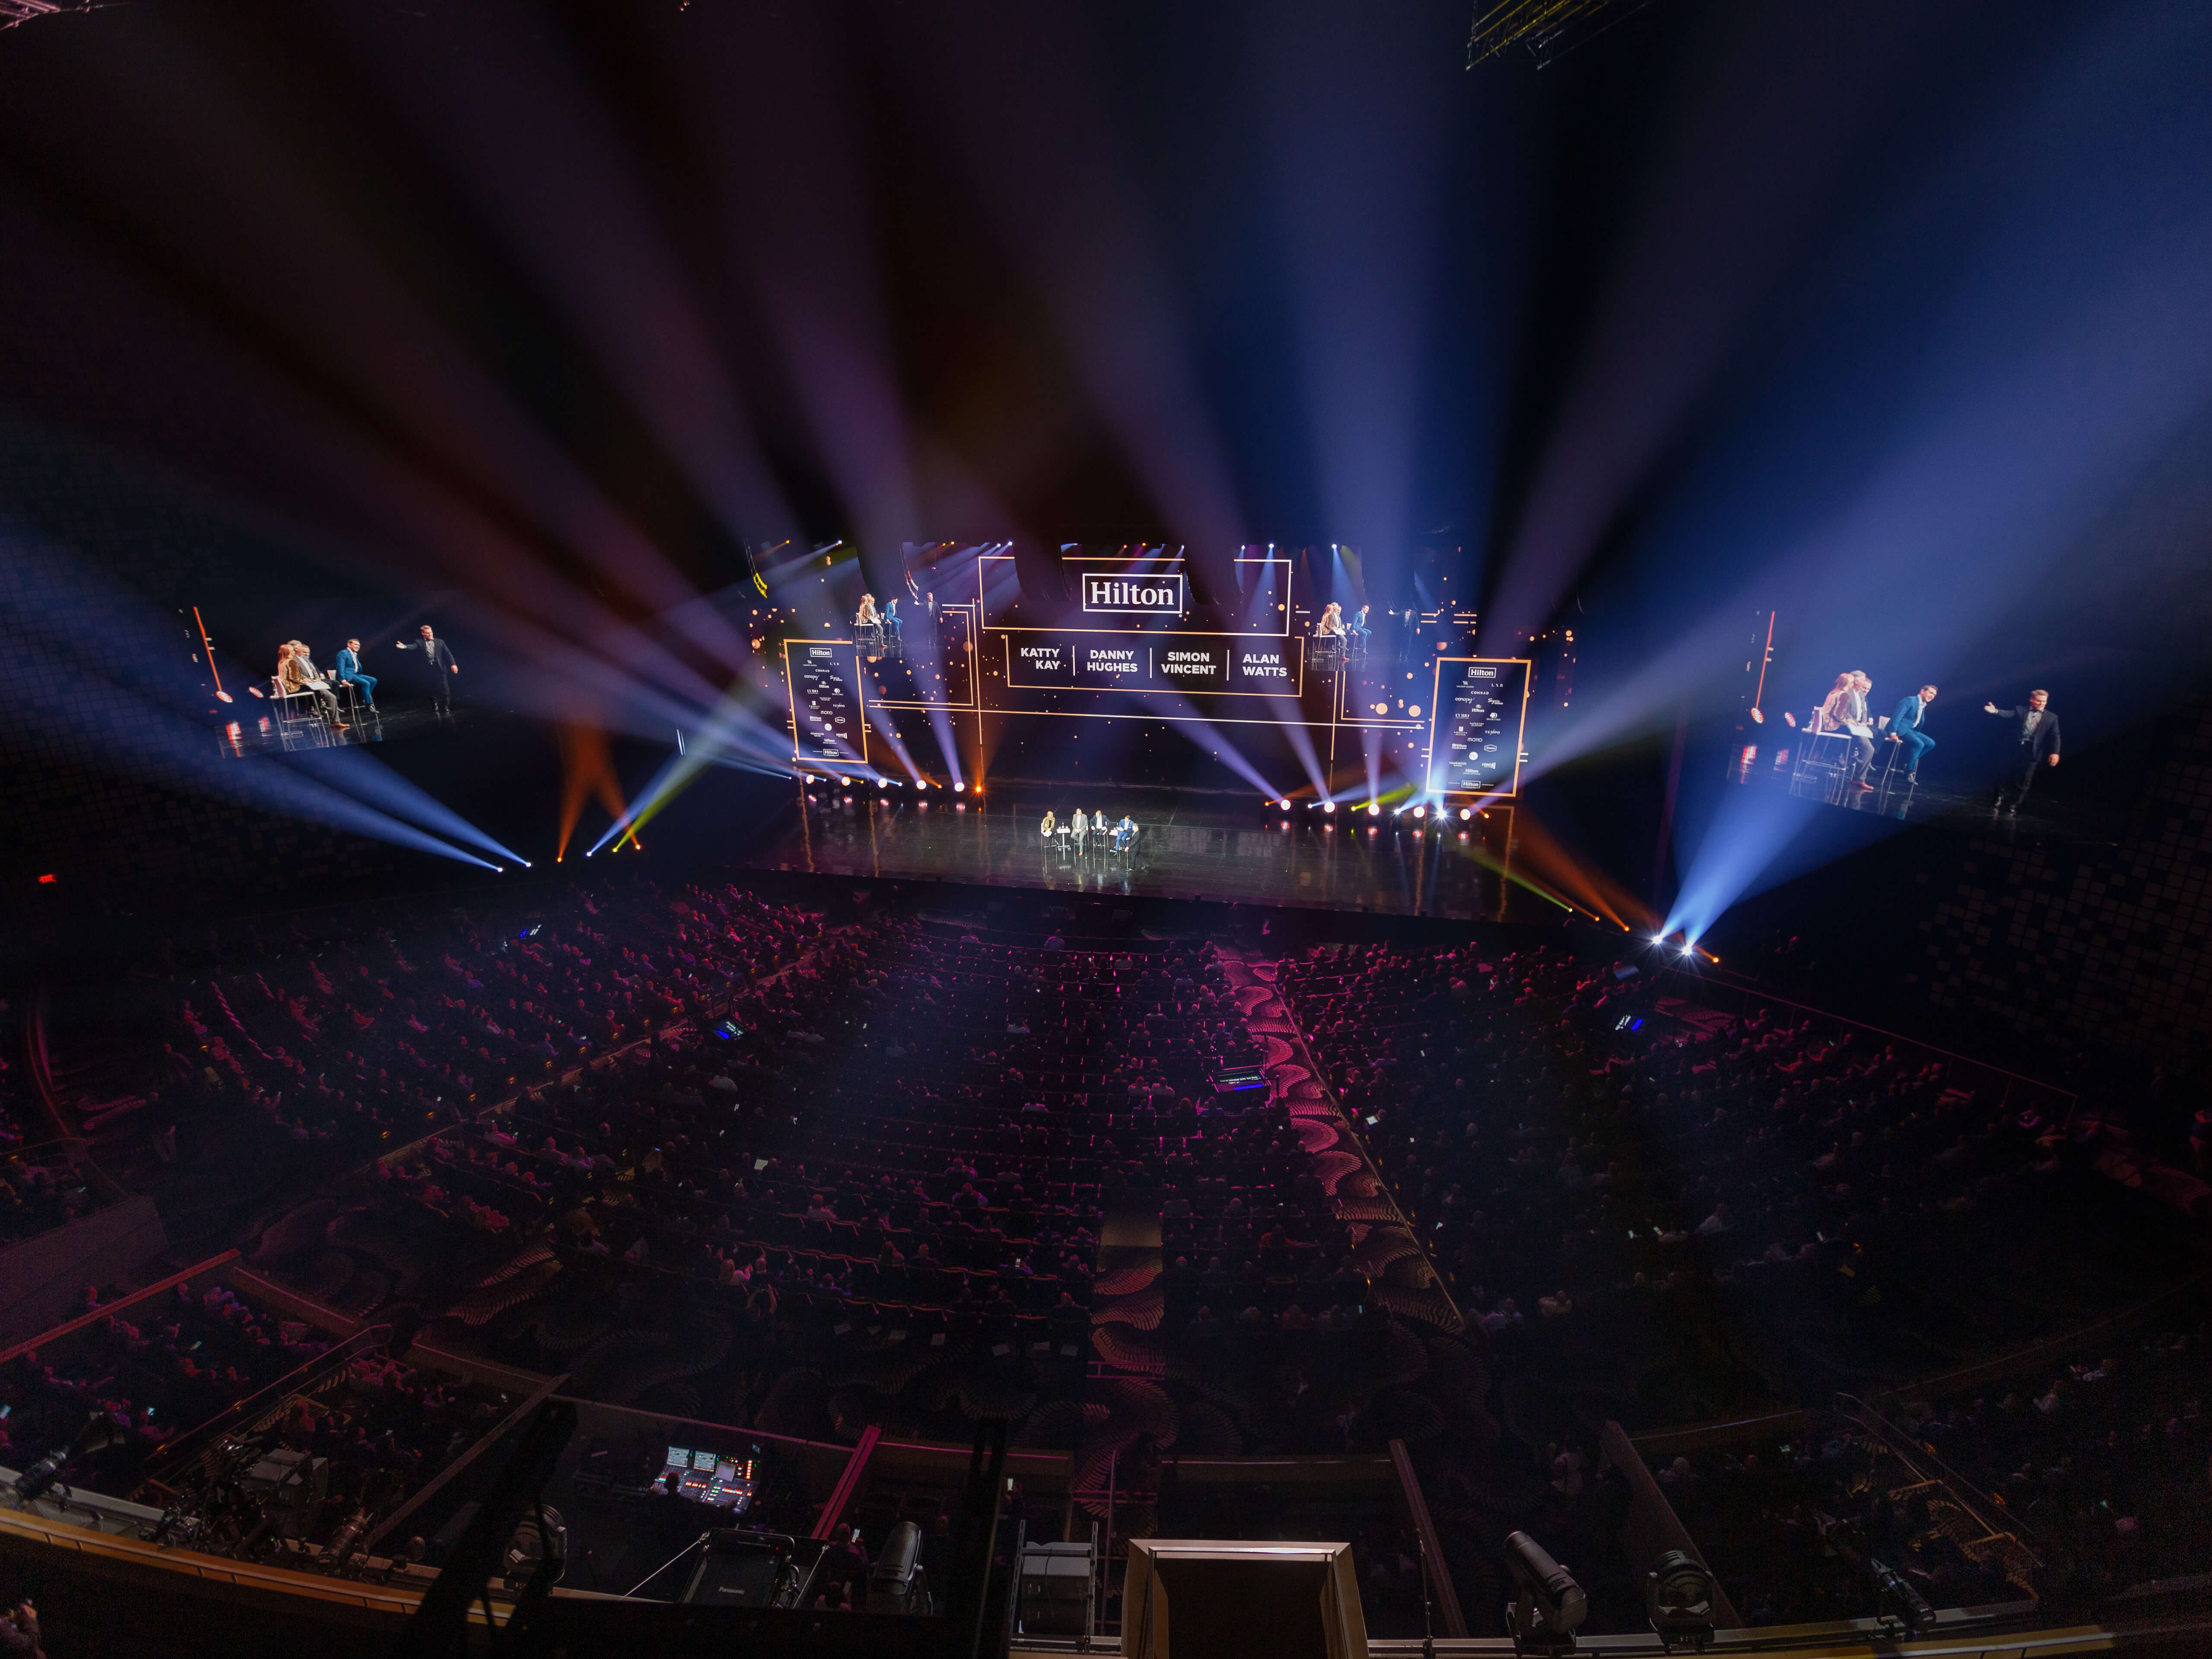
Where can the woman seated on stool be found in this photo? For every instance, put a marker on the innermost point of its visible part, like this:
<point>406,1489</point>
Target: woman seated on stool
<point>1328,635</point>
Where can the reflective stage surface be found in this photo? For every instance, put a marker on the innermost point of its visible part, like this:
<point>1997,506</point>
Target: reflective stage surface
<point>260,726</point>
<point>1345,860</point>
<point>2052,809</point>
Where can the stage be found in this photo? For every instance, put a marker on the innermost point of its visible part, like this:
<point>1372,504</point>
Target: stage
<point>1345,860</point>
<point>2057,809</point>
<point>259,728</point>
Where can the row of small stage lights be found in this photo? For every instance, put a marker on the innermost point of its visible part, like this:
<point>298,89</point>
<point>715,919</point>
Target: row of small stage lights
<point>809,780</point>
<point>1374,809</point>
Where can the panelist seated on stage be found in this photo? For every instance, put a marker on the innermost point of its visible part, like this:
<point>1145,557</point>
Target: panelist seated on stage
<point>1905,727</point>
<point>348,672</point>
<point>296,674</point>
<point>1845,710</point>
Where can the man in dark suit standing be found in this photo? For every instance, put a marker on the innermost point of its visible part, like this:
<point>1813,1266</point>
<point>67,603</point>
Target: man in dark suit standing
<point>2036,725</point>
<point>438,657</point>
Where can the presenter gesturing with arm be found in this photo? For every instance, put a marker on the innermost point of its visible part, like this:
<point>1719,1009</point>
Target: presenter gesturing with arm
<point>2035,723</point>
<point>438,658</point>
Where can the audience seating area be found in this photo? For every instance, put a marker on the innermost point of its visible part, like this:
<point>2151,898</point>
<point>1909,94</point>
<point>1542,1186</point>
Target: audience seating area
<point>38,1188</point>
<point>165,1364</point>
<point>160,1367</point>
<point>2097,1464</point>
<point>714,1157</point>
<point>1692,1215</point>
<point>358,1037</point>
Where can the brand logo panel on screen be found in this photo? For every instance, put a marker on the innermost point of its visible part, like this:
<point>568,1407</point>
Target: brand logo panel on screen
<point>1144,596</point>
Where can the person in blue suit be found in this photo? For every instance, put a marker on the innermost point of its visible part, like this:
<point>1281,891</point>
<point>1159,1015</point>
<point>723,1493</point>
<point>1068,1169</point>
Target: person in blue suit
<point>349,669</point>
<point>1905,727</point>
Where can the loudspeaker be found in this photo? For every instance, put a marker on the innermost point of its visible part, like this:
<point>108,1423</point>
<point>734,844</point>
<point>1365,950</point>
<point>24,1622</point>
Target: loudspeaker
<point>1053,1593</point>
<point>1208,1599</point>
<point>741,1570</point>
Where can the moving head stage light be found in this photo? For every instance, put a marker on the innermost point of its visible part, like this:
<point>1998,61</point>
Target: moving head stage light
<point>1678,1596</point>
<point>1550,1606</point>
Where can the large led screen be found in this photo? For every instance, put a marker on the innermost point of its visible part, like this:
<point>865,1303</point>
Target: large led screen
<point>967,663</point>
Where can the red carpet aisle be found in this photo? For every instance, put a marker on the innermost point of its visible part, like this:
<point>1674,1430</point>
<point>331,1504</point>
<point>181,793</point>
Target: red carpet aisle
<point>1386,1249</point>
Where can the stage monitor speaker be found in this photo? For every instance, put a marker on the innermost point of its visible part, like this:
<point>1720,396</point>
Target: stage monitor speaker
<point>1208,1599</point>
<point>741,1570</point>
<point>1053,1594</point>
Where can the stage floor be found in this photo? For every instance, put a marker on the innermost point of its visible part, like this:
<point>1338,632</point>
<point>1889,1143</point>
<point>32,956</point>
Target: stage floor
<point>1344,862</point>
<point>257,731</point>
<point>2050,812</point>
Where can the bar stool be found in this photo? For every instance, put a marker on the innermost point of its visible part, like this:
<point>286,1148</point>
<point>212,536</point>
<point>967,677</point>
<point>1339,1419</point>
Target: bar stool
<point>1896,749</point>
<point>297,716</point>
<point>1809,759</point>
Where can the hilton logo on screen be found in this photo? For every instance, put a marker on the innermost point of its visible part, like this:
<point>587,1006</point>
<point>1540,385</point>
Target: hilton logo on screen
<point>1150,596</point>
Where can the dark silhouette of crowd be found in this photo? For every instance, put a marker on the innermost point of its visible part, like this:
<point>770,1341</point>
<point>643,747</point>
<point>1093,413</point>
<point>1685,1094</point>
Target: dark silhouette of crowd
<point>358,1037</point>
<point>1705,1213</point>
<point>159,1367</point>
<point>2096,1466</point>
<point>891,1166</point>
<point>38,1191</point>
<point>714,1157</point>
<point>167,1365</point>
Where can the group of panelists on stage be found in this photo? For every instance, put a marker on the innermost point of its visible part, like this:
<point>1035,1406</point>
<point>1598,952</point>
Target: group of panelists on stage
<point>1846,710</point>
<point>1093,830</point>
<point>877,628</point>
<point>298,676</point>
